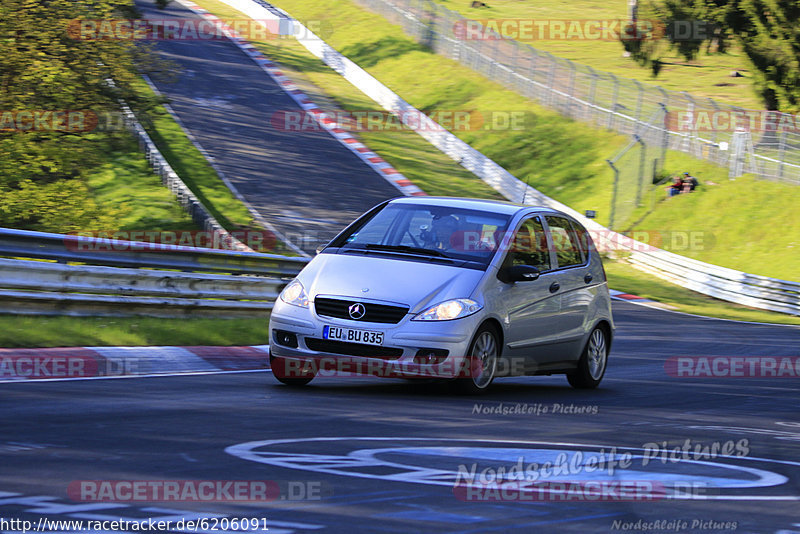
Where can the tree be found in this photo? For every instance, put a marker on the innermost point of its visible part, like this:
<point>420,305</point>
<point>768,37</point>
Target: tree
<point>768,32</point>
<point>45,68</point>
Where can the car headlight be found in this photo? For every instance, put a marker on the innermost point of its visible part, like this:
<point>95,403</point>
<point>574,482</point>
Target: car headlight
<point>449,310</point>
<point>294,294</point>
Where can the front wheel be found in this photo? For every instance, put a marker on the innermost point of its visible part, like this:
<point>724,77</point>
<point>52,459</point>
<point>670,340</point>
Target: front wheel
<point>482,361</point>
<point>291,373</point>
<point>592,365</point>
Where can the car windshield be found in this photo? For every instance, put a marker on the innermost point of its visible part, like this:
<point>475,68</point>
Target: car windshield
<point>427,230</point>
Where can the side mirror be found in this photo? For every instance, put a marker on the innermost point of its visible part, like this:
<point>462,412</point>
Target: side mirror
<point>521,273</point>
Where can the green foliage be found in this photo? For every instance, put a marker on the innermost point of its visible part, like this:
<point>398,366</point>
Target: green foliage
<point>767,31</point>
<point>60,206</point>
<point>48,67</point>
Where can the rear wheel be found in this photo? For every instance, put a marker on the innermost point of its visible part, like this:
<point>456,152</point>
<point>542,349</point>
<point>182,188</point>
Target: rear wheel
<point>482,360</point>
<point>592,365</point>
<point>291,373</point>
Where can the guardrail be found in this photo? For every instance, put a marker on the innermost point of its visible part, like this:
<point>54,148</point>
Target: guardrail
<point>107,277</point>
<point>726,284</point>
<point>127,278</point>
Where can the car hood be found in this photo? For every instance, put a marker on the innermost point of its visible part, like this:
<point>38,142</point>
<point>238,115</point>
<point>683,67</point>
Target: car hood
<point>387,279</point>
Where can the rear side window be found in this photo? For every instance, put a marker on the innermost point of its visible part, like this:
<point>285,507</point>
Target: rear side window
<point>565,242</point>
<point>584,239</point>
<point>530,246</point>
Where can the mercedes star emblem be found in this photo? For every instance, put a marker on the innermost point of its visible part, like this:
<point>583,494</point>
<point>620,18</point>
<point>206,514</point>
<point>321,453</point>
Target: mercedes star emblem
<point>356,311</point>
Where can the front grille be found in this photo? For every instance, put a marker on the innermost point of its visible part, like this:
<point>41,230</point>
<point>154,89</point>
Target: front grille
<point>375,313</point>
<point>353,349</point>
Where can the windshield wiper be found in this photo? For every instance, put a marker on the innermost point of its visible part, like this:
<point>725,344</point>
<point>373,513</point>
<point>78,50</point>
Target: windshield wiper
<point>408,249</point>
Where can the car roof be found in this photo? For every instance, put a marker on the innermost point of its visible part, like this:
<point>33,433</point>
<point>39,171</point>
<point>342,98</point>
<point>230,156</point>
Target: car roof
<point>498,206</point>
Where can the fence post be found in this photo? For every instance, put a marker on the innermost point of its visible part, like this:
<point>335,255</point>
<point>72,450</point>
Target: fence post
<point>613,109</point>
<point>571,94</point>
<point>534,59</point>
<point>642,157</point>
<point>512,74</point>
<point>694,143</point>
<point>613,195</point>
<point>737,154</point>
<point>781,153</point>
<point>551,81</point>
<point>638,117</point>
<point>664,136</point>
<point>592,93</point>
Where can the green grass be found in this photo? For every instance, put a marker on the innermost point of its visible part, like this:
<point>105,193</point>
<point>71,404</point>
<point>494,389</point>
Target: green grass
<point>126,182</point>
<point>706,76</point>
<point>745,224</point>
<point>624,277</point>
<point>33,331</point>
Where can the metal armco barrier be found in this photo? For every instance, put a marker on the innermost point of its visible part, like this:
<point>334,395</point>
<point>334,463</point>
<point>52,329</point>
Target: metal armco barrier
<point>122,278</point>
<point>726,284</point>
<point>169,281</point>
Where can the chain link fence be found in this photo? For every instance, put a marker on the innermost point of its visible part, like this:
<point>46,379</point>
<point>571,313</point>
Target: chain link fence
<point>702,127</point>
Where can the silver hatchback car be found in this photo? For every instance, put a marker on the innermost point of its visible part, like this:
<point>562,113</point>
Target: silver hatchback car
<point>449,288</point>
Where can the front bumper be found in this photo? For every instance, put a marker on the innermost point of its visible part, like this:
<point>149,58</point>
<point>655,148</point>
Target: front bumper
<point>398,357</point>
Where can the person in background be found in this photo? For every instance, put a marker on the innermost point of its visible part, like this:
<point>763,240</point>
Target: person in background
<point>689,183</point>
<point>675,187</point>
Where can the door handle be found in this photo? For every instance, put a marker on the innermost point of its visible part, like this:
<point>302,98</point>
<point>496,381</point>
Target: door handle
<point>554,287</point>
<point>588,278</point>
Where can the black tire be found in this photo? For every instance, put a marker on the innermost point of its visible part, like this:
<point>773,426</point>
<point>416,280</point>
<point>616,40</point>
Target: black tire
<point>290,374</point>
<point>481,363</point>
<point>593,362</point>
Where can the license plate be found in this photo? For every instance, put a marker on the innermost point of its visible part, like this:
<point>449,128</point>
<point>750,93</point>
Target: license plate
<point>367,337</point>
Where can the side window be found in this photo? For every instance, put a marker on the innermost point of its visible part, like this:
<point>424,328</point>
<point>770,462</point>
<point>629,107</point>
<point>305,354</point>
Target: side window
<point>565,242</point>
<point>584,239</point>
<point>530,246</point>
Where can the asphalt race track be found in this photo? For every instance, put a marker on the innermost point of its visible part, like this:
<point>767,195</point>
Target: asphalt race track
<point>305,183</point>
<point>373,455</point>
<point>652,450</point>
